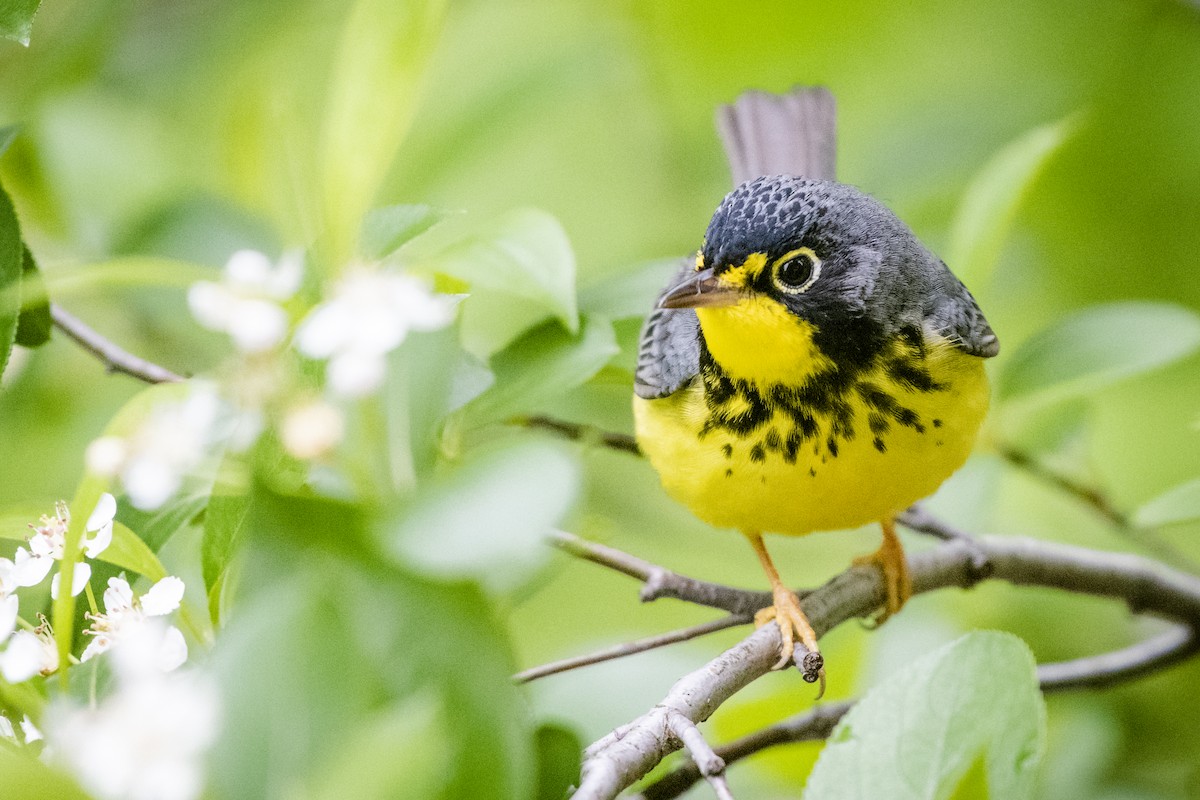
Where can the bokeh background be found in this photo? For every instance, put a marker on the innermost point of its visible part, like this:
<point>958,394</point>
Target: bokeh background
<point>154,143</point>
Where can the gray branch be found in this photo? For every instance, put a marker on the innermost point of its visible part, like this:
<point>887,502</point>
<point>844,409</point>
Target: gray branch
<point>817,723</point>
<point>114,358</point>
<point>619,759</point>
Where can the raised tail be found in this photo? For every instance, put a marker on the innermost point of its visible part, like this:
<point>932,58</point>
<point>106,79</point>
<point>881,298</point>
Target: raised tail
<point>788,134</point>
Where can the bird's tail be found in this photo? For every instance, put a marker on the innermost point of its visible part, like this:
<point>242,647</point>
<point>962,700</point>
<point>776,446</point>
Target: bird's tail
<point>789,134</point>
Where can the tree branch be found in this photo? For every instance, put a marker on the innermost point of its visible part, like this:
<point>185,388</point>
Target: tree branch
<point>811,726</point>
<point>114,358</point>
<point>658,582</point>
<point>622,442</point>
<point>817,723</point>
<point>622,757</point>
<point>634,647</point>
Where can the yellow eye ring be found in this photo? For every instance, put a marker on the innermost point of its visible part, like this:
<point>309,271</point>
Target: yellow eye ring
<point>797,271</point>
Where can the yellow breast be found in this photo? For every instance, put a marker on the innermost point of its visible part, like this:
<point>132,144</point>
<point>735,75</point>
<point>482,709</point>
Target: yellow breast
<point>821,449</point>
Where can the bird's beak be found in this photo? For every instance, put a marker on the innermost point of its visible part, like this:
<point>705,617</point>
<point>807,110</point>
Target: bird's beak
<point>700,290</point>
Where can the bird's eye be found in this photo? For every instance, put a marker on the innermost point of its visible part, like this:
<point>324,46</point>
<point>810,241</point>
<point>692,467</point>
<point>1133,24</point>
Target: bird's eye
<point>797,271</point>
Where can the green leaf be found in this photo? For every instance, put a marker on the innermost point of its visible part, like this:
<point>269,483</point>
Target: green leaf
<point>430,377</point>
<point>223,524</point>
<point>917,735</point>
<point>158,526</point>
<point>16,19</point>
<point>366,768</point>
<point>377,72</point>
<point>7,134</point>
<point>994,195</point>
<point>320,645</point>
<point>543,364</point>
<point>11,258</point>
<point>559,752</point>
<point>1178,504</point>
<point>487,520</point>
<point>34,323</point>
<point>1097,347</point>
<point>631,294</point>
<point>386,229</point>
<point>524,254</point>
<point>24,776</point>
<point>129,552</point>
<point>196,228</point>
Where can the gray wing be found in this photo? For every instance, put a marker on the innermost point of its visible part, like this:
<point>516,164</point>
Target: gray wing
<point>958,318</point>
<point>669,349</point>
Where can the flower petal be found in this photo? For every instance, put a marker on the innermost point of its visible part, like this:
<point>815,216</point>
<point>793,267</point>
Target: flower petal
<point>210,304</point>
<point>248,269</point>
<point>8,616</point>
<point>163,597</point>
<point>149,483</point>
<point>95,545</point>
<point>22,659</point>
<point>105,455</point>
<point>355,373</point>
<point>32,734</point>
<point>103,513</point>
<point>118,597</point>
<point>173,651</point>
<point>258,325</point>
<point>30,570</point>
<point>95,647</point>
<point>79,579</point>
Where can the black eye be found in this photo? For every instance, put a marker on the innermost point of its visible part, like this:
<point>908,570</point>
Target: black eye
<point>797,271</point>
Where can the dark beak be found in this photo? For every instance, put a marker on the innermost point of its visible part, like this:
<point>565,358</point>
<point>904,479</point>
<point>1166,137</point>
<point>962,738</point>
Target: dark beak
<point>699,290</point>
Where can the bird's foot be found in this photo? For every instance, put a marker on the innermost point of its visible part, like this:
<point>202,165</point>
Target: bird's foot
<point>889,560</point>
<point>793,627</point>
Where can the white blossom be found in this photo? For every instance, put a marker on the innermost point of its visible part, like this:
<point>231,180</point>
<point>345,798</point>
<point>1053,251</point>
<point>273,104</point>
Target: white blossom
<point>245,304</point>
<point>312,430</point>
<point>46,545</point>
<point>145,741</point>
<point>126,615</point>
<point>29,653</point>
<point>370,313</point>
<point>28,729</point>
<point>32,734</point>
<point>169,444</point>
<point>9,604</point>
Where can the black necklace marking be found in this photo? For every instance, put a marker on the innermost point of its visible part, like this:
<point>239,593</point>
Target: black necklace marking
<point>819,410</point>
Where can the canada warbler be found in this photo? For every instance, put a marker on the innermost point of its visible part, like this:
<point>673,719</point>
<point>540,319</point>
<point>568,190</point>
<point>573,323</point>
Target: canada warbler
<point>815,368</point>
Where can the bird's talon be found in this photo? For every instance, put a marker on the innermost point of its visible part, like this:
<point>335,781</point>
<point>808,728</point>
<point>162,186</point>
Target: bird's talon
<point>889,560</point>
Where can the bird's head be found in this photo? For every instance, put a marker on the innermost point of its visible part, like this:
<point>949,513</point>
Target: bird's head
<point>796,275</point>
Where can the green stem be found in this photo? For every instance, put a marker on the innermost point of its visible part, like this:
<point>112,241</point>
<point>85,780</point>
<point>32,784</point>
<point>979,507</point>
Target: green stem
<point>86,498</point>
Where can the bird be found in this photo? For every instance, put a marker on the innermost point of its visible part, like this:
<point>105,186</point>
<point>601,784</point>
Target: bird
<point>815,367</point>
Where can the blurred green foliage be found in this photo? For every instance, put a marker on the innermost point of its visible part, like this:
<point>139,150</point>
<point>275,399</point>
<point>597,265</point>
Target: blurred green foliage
<point>1049,147</point>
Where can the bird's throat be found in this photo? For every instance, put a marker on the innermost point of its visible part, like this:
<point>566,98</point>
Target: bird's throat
<point>760,341</point>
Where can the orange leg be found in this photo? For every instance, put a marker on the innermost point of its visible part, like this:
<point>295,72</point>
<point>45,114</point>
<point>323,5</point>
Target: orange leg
<point>786,612</point>
<point>890,561</point>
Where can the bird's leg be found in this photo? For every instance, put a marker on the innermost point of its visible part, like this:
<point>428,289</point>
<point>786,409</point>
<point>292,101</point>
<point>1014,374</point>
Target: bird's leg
<point>890,561</point>
<point>786,612</point>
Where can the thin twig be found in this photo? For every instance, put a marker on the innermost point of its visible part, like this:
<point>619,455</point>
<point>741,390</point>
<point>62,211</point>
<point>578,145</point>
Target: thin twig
<point>586,433</point>
<point>634,647</point>
<point>1108,669</point>
<point>1088,494</point>
<point>708,764</point>
<point>1092,497</point>
<point>813,725</point>
<point>817,723</point>
<point>619,759</point>
<point>114,358</point>
<point>658,583</point>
